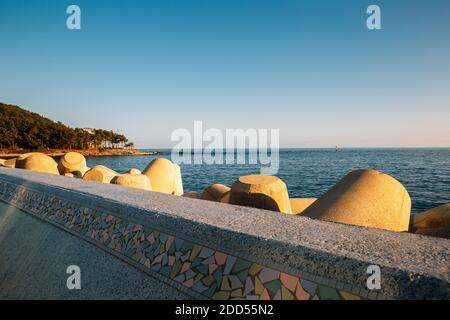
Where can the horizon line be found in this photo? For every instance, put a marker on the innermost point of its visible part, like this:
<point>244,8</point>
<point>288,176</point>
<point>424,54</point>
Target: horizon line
<point>339,148</point>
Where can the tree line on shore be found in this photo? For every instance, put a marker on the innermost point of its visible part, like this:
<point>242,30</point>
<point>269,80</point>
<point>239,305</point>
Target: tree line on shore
<point>22,129</point>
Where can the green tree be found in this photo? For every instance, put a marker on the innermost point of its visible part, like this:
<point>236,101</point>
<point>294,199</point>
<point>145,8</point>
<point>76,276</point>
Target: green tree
<point>20,128</point>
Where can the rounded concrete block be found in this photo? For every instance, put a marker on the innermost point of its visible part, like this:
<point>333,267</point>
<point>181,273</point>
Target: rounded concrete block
<point>100,173</point>
<point>434,232</point>
<point>80,173</point>
<point>161,173</point>
<point>69,175</point>
<point>215,192</point>
<point>10,163</point>
<point>133,171</point>
<point>434,222</point>
<point>261,191</point>
<point>178,182</point>
<point>226,197</point>
<point>137,181</point>
<point>365,198</point>
<point>298,205</point>
<point>20,160</point>
<point>192,194</point>
<point>40,162</point>
<point>72,161</point>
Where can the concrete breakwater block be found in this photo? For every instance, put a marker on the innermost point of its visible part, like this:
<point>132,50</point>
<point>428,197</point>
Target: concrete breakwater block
<point>299,205</point>
<point>137,181</point>
<point>178,182</point>
<point>434,222</point>
<point>216,192</point>
<point>164,176</point>
<point>261,191</point>
<point>80,174</point>
<point>10,163</point>
<point>72,161</point>
<point>192,195</point>
<point>133,171</point>
<point>100,173</point>
<point>38,162</point>
<point>365,198</point>
<point>161,174</point>
<point>20,160</point>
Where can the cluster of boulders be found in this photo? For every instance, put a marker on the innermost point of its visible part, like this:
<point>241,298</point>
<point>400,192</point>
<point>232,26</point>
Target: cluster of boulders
<point>161,174</point>
<point>434,222</point>
<point>365,198</point>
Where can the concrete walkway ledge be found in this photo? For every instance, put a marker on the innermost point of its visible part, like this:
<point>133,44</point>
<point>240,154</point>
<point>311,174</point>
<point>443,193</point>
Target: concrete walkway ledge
<point>208,250</point>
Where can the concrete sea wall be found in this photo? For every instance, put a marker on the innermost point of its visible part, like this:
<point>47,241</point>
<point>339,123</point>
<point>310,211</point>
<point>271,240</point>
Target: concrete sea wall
<point>133,243</point>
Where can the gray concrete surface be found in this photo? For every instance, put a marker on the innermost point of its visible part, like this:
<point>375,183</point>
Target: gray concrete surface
<point>413,266</point>
<point>35,256</point>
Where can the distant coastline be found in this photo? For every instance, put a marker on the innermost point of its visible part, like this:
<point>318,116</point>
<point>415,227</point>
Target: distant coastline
<point>94,152</point>
<point>25,131</point>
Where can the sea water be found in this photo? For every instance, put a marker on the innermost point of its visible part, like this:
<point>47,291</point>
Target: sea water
<point>425,172</point>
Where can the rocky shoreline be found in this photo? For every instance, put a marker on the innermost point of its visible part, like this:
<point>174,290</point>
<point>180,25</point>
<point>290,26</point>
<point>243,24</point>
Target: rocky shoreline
<point>10,154</point>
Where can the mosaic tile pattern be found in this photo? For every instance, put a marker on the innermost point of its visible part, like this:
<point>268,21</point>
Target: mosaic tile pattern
<point>207,272</point>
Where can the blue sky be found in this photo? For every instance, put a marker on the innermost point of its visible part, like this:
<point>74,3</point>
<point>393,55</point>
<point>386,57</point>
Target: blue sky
<point>310,68</point>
